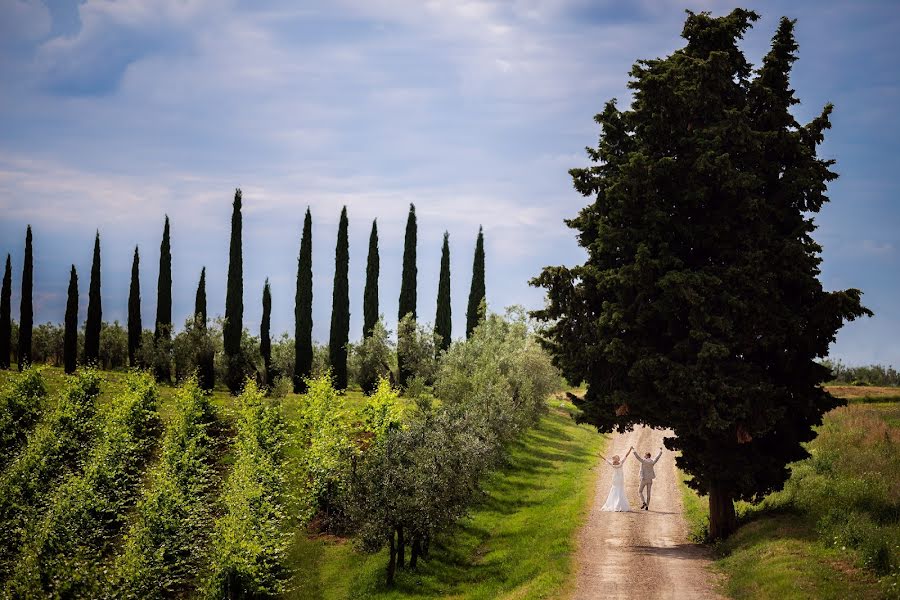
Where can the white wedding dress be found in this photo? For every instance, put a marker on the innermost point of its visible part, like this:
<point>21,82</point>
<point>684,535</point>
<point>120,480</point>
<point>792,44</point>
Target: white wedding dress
<point>616,501</point>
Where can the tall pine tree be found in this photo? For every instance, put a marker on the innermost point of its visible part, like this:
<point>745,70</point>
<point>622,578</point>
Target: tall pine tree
<point>340,307</point>
<point>94,311</point>
<point>477,291</point>
<point>26,310</point>
<point>70,337</point>
<point>135,327</point>
<point>408,284</point>
<point>370,294</point>
<point>234,302</point>
<point>206,372</point>
<point>6,315</point>
<point>443,324</point>
<point>699,308</point>
<point>303,346</point>
<point>265,340</point>
<point>164,287</point>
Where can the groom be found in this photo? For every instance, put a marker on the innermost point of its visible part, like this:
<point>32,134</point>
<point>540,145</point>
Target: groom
<point>647,476</point>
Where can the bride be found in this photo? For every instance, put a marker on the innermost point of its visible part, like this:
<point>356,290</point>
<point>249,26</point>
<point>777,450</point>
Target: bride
<point>616,501</point>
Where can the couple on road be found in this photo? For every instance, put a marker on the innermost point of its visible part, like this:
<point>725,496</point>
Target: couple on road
<point>616,501</point>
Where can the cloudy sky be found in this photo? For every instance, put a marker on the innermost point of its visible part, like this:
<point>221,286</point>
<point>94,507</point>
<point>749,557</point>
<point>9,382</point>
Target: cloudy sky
<point>115,113</point>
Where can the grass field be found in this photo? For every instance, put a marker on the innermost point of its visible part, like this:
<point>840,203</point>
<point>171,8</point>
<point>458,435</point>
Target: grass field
<point>865,393</point>
<point>518,542</point>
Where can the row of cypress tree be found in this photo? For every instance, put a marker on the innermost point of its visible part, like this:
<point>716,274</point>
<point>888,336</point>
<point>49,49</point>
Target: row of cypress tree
<point>233,325</point>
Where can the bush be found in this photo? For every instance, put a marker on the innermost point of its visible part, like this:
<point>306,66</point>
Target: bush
<point>20,407</point>
<point>65,550</point>
<point>113,346</point>
<point>416,345</point>
<point>370,360</point>
<point>249,542</point>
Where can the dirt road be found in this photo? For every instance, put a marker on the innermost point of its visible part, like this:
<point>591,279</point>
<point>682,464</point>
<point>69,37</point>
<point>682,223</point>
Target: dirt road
<point>640,554</point>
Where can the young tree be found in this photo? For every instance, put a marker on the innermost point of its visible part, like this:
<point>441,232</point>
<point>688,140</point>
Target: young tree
<point>443,325</point>
<point>303,345</point>
<point>477,294</point>
<point>370,295</point>
<point>135,328</point>
<point>340,307</point>
<point>234,302</point>
<point>6,315</point>
<point>206,371</point>
<point>70,341</point>
<point>408,283</point>
<point>26,310</point>
<point>265,340</point>
<point>699,307</point>
<point>94,312</point>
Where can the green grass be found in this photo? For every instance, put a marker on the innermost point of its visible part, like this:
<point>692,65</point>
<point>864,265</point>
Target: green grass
<point>518,542</point>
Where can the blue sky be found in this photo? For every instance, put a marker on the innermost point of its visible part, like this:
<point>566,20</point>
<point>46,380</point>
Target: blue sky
<point>114,113</point>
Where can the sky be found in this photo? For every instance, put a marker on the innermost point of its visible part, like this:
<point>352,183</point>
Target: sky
<point>114,114</point>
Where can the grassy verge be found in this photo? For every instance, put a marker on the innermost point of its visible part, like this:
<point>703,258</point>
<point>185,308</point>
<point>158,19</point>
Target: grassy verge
<point>518,542</point>
<point>865,394</point>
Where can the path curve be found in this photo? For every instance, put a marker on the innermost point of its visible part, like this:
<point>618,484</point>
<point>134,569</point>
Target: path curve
<point>640,554</point>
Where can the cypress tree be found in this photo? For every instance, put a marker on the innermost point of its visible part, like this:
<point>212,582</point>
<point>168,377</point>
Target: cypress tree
<point>206,372</point>
<point>340,307</point>
<point>303,348</point>
<point>265,341</point>
<point>26,311</point>
<point>701,280</point>
<point>408,283</point>
<point>234,301</point>
<point>94,311</point>
<point>70,340</point>
<point>6,315</point>
<point>477,291</point>
<point>135,327</point>
<point>370,295</point>
<point>164,287</point>
<point>443,324</point>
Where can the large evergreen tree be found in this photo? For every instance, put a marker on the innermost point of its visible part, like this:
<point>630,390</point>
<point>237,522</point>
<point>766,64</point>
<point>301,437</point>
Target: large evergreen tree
<point>477,291</point>
<point>443,324</point>
<point>26,310</point>
<point>699,307</point>
<point>340,307</point>
<point>206,372</point>
<point>94,311</point>
<point>70,337</point>
<point>408,284</point>
<point>164,287</point>
<point>303,347</point>
<point>265,340</point>
<point>135,327</point>
<point>370,294</point>
<point>234,302</point>
<point>6,315</point>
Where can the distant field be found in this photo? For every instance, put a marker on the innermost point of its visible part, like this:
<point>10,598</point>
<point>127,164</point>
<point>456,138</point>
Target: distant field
<point>865,393</point>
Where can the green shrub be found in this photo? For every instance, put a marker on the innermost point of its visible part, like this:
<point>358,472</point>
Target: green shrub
<point>21,405</point>
<point>370,360</point>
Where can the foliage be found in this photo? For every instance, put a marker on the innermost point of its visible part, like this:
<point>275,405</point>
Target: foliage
<point>248,539</point>
<point>21,405</point>
<point>408,284</point>
<point>113,346</point>
<point>205,345</point>
<point>477,294</point>
<point>135,328</point>
<point>26,306</point>
<point>863,375</point>
<point>57,447</point>
<point>340,307</point>
<point>64,553</point>
<point>234,304</point>
<point>70,339</point>
<point>164,323</point>
<point>370,293</point>
<point>416,349</point>
<point>443,323</point>
<point>6,314</point>
<point>93,323</point>
<point>370,360</point>
<point>283,357</point>
<point>699,307</point>
<point>167,538</point>
<point>303,344</point>
<point>265,340</point>
<point>193,349</point>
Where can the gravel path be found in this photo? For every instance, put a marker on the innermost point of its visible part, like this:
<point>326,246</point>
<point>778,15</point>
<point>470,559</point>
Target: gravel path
<point>640,554</point>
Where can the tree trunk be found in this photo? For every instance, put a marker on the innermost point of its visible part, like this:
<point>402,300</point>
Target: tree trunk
<point>392,562</point>
<point>414,553</point>
<point>401,548</point>
<point>722,521</point>
<point>425,545</point>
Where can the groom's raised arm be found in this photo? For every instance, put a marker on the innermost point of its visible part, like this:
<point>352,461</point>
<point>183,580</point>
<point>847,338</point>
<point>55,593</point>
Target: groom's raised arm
<point>658,456</point>
<point>637,456</point>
